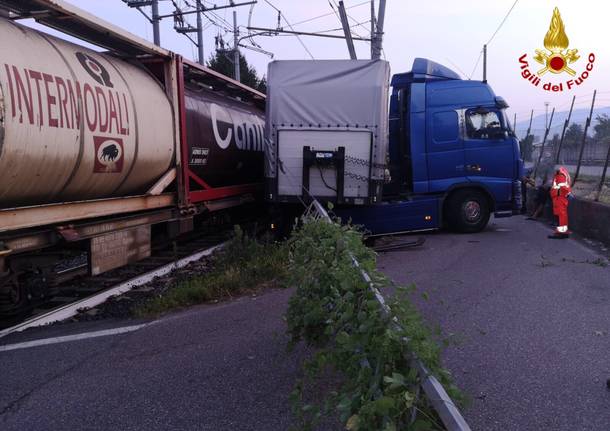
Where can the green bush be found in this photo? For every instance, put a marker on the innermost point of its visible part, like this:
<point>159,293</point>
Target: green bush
<point>334,310</point>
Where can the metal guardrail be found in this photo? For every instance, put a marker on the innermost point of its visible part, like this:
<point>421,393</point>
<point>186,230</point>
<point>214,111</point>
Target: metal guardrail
<point>435,392</point>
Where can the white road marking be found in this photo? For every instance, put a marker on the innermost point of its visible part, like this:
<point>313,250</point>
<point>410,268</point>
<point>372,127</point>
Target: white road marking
<point>75,337</point>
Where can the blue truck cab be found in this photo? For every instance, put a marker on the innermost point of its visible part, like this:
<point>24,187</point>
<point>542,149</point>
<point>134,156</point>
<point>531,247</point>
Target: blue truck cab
<point>453,157</point>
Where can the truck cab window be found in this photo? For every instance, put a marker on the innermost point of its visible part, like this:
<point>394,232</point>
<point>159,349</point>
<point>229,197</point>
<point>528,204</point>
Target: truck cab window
<point>483,124</point>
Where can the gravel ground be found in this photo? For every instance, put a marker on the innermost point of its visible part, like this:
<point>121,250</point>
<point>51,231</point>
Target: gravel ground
<point>124,306</point>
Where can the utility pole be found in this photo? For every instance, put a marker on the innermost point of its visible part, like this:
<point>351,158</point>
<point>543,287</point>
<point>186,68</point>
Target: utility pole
<point>347,32</point>
<point>179,23</point>
<point>155,19</point>
<point>155,22</point>
<point>484,63</point>
<point>183,28</point>
<point>236,73</point>
<point>377,43</point>
<point>200,34</point>
<point>546,114</point>
<point>372,28</point>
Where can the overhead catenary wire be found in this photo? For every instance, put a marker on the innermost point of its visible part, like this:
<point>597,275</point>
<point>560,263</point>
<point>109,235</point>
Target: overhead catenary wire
<point>474,69</point>
<point>328,14</point>
<point>335,8</point>
<point>290,26</point>
<point>349,17</point>
<point>492,37</point>
<point>456,66</point>
<point>502,23</point>
<point>335,29</point>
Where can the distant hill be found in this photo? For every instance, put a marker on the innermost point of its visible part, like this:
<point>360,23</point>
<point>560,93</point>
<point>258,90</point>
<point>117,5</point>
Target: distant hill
<point>578,116</point>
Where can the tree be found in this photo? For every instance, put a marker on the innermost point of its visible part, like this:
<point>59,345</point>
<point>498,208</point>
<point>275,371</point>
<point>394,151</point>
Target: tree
<point>527,147</point>
<point>573,135</point>
<point>602,128</point>
<point>553,144</point>
<point>222,62</point>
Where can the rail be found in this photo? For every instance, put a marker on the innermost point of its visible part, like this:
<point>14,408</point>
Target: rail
<point>73,308</point>
<point>436,395</point>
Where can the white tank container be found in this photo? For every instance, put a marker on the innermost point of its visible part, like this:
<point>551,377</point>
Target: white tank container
<point>76,124</point>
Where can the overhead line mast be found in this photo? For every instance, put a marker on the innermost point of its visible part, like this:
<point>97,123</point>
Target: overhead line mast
<point>347,31</point>
<point>377,42</point>
<point>179,23</point>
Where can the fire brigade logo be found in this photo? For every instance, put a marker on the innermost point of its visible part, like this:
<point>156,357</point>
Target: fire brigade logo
<point>108,155</point>
<point>556,58</point>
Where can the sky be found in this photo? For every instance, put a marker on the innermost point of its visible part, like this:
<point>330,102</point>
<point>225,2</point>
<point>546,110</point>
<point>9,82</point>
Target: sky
<point>450,32</point>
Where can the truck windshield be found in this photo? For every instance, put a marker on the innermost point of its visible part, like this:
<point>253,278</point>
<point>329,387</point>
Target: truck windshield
<point>484,124</point>
<point>510,127</point>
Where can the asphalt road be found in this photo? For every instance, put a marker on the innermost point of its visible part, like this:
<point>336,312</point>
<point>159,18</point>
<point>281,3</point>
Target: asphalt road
<point>530,321</point>
<point>217,368</point>
<point>530,318</point>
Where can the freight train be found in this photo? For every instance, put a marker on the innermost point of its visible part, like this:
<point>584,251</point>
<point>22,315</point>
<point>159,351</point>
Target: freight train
<point>99,149</point>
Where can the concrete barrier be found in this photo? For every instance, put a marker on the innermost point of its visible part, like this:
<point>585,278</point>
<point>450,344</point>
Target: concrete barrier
<point>588,219</point>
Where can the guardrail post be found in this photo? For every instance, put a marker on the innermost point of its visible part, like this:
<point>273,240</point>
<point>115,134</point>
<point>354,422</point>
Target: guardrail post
<point>603,178</point>
<point>563,132</point>
<point>546,135</point>
<point>584,139</point>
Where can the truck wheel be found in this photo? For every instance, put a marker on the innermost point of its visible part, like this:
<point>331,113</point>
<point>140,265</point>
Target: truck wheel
<point>467,211</point>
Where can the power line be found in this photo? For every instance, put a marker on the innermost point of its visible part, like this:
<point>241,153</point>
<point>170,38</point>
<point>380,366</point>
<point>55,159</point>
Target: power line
<point>291,28</point>
<point>502,23</point>
<point>328,14</point>
<point>456,66</point>
<point>475,65</point>
<point>334,10</point>
<point>361,24</point>
<point>334,5</point>
<point>222,19</point>
<point>492,38</point>
<point>338,29</point>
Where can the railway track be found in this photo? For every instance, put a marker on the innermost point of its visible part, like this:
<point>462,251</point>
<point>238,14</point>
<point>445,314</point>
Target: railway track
<point>84,292</point>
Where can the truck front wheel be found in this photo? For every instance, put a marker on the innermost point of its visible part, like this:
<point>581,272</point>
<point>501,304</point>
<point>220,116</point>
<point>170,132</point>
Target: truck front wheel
<point>467,211</point>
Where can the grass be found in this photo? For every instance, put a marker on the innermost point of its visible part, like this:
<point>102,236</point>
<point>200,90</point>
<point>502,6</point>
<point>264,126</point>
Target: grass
<point>244,265</point>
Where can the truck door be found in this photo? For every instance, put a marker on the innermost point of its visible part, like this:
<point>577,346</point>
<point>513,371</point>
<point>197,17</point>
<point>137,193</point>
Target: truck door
<point>445,149</point>
<point>488,151</point>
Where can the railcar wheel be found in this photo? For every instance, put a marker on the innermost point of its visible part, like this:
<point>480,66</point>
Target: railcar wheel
<point>14,299</point>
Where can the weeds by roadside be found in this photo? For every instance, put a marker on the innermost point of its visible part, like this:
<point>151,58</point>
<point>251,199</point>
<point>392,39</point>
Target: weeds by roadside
<point>243,265</point>
<point>334,311</point>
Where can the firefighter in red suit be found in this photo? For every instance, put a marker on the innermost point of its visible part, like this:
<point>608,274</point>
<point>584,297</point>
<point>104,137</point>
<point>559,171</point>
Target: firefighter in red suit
<point>560,195</point>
